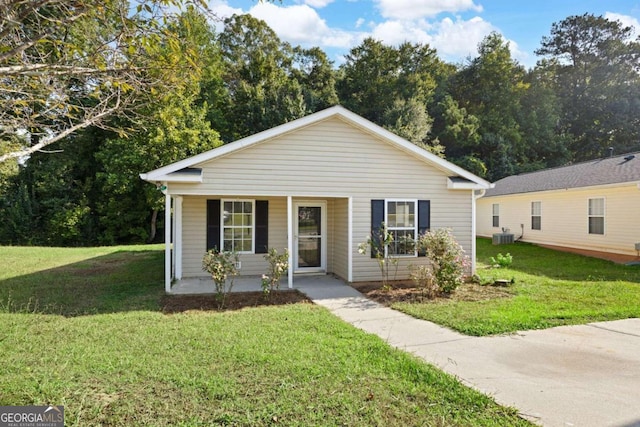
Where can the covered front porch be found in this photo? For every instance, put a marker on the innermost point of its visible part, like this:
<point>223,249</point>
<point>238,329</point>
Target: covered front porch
<point>315,230</point>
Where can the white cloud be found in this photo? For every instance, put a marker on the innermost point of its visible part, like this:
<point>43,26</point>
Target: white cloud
<point>394,32</point>
<point>627,21</point>
<point>300,24</point>
<point>414,9</point>
<point>455,40</point>
<point>222,10</point>
<point>317,3</point>
<point>460,38</point>
<point>359,22</point>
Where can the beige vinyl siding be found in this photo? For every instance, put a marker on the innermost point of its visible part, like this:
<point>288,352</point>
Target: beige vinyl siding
<point>564,219</point>
<point>335,160</point>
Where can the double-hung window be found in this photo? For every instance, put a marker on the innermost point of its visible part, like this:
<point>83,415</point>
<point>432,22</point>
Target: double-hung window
<point>496,214</point>
<point>402,225</point>
<point>536,215</point>
<point>596,216</point>
<point>238,225</point>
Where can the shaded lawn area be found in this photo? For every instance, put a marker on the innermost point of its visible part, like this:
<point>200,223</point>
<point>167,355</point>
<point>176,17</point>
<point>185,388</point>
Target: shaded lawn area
<point>550,288</point>
<point>80,332</point>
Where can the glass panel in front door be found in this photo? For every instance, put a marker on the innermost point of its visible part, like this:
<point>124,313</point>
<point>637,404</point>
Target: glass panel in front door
<point>309,236</point>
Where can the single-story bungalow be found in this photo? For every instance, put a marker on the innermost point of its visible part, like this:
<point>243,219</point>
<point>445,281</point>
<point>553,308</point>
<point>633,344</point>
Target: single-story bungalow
<point>316,186</point>
<point>593,205</point>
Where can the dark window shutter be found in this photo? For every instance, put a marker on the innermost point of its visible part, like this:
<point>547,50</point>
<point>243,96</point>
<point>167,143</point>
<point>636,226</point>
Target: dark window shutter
<point>262,226</point>
<point>377,218</point>
<point>213,224</point>
<point>424,219</point>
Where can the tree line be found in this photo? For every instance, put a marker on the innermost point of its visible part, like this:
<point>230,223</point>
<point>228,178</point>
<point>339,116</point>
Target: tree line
<point>179,88</point>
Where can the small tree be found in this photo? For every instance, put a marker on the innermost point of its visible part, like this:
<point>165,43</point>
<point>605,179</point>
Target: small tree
<point>222,266</point>
<point>379,244</point>
<point>446,256</point>
<point>278,266</point>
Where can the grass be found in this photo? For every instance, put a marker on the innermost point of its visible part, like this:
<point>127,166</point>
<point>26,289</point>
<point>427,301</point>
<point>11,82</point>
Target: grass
<point>83,328</point>
<point>550,289</point>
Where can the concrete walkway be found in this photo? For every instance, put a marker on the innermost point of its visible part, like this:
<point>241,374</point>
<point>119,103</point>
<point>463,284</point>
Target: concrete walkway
<point>586,375</point>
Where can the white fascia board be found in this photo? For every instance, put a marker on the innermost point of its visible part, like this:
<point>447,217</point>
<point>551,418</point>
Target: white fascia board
<point>177,178</point>
<point>466,185</point>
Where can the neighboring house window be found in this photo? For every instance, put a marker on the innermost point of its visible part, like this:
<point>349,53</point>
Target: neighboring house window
<point>536,215</point>
<point>238,225</point>
<point>402,224</point>
<point>496,215</point>
<point>596,216</point>
<point>404,219</point>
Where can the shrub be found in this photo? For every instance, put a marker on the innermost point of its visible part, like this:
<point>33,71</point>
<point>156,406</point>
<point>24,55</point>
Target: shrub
<point>502,261</point>
<point>222,266</point>
<point>422,276</point>
<point>446,257</point>
<point>278,266</point>
<point>378,244</point>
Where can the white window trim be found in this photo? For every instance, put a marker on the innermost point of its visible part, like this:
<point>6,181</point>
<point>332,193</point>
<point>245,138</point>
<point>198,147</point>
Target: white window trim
<point>493,215</point>
<point>603,216</point>
<point>539,215</point>
<point>253,223</point>
<point>415,225</point>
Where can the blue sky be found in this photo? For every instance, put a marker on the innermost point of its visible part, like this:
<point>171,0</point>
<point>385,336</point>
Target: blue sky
<point>453,27</point>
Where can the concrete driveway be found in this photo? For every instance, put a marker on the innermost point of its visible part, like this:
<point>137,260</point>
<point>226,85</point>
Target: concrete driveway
<point>586,375</point>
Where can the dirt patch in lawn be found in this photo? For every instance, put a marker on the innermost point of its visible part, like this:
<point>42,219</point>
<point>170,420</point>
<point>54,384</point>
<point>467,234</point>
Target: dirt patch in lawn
<point>234,301</point>
<point>407,292</point>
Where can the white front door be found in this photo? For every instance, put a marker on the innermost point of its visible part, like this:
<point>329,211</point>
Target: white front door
<point>310,237</point>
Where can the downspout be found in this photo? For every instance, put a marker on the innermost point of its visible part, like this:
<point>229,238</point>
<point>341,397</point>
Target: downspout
<point>167,238</point>
<point>474,197</point>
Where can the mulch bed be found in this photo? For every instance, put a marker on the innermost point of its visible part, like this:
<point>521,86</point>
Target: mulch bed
<point>234,301</point>
<point>407,292</point>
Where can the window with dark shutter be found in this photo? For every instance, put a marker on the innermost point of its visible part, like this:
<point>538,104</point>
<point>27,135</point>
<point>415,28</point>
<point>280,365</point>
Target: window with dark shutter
<point>262,226</point>
<point>238,225</point>
<point>400,217</point>
<point>424,219</point>
<point>377,218</point>
<point>213,224</point>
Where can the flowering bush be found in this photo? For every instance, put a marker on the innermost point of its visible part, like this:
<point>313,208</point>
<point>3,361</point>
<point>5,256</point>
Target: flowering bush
<point>222,266</point>
<point>446,256</point>
<point>278,266</point>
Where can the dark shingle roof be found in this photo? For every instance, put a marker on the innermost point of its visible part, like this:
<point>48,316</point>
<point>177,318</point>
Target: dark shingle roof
<point>611,170</point>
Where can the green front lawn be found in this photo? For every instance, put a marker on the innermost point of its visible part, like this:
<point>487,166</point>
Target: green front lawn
<point>550,288</point>
<point>83,328</point>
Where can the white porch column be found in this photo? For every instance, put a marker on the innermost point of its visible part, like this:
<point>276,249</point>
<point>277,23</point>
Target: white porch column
<point>177,232</point>
<point>350,240</point>
<point>167,241</point>
<point>290,240</point>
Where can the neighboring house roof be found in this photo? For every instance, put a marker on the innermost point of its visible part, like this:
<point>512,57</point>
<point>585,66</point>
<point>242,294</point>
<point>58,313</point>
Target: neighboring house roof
<point>611,170</point>
<point>186,170</point>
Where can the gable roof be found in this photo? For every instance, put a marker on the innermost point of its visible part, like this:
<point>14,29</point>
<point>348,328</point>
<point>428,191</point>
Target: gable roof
<point>611,170</point>
<point>183,170</point>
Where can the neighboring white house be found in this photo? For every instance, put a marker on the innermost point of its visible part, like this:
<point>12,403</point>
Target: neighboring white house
<point>593,205</point>
<point>317,186</point>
